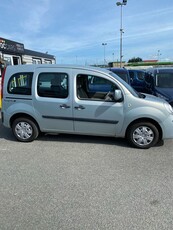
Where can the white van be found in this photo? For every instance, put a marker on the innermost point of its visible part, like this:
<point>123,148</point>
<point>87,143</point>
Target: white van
<point>70,99</point>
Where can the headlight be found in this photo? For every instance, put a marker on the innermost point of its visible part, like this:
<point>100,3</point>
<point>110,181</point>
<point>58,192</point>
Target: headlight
<point>162,96</point>
<point>168,107</point>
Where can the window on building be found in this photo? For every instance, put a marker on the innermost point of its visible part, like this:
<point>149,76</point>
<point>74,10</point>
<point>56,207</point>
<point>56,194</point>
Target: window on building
<point>36,61</point>
<point>20,83</point>
<point>53,85</point>
<point>47,61</point>
<point>16,60</point>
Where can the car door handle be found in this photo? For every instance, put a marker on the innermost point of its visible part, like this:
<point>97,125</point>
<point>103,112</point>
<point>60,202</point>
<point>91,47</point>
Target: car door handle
<point>80,107</point>
<point>64,106</point>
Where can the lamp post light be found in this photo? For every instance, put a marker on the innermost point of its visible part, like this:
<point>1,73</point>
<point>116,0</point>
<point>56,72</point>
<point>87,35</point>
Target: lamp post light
<point>121,29</point>
<point>104,44</point>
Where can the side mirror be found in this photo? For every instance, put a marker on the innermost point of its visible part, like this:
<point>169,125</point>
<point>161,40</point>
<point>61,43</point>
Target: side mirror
<point>118,95</point>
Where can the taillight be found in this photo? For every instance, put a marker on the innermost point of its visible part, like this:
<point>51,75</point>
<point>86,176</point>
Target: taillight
<point>2,82</point>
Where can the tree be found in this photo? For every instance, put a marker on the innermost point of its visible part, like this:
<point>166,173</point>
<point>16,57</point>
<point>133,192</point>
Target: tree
<point>138,59</point>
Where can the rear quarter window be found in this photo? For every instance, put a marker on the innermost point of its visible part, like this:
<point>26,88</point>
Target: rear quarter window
<point>20,83</point>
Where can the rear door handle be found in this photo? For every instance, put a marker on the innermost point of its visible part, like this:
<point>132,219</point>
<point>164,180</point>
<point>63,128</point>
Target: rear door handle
<point>80,107</point>
<point>64,106</point>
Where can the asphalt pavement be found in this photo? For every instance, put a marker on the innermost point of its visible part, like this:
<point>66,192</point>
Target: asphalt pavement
<point>80,182</point>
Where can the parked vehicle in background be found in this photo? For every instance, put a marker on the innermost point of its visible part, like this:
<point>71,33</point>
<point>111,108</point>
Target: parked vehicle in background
<point>159,82</point>
<point>0,94</point>
<point>122,73</point>
<point>59,99</point>
<point>137,79</point>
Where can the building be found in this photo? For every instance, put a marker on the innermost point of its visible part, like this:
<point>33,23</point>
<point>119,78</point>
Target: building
<point>14,53</point>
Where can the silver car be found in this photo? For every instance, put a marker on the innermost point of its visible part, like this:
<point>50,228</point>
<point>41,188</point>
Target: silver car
<point>81,100</point>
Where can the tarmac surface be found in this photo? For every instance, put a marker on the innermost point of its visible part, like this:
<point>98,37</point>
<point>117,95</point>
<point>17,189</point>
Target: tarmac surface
<point>80,182</point>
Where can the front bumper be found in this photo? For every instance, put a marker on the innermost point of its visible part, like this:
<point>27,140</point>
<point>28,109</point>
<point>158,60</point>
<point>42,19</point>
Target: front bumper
<point>167,128</point>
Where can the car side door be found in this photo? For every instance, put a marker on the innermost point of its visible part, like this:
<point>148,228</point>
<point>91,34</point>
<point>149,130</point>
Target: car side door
<point>53,99</point>
<point>96,112</point>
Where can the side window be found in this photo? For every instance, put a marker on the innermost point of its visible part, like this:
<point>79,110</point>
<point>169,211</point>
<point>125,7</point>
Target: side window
<point>98,84</point>
<point>94,88</point>
<point>20,83</point>
<point>53,85</point>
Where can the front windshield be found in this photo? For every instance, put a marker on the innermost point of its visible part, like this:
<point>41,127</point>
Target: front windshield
<point>164,80</point>
<point>132,91</point>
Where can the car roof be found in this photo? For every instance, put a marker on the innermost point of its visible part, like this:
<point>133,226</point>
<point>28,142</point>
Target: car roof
<point>160,69</point>
<point>118,69</point>
<point>33,67</point>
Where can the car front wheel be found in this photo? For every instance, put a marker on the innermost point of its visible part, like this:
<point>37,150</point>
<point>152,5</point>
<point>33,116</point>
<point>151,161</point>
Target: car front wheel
<point>24,129</point>
<point>143,135</point>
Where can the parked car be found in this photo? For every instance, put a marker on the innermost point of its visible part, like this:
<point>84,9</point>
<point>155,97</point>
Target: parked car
<point>137,79</point>
<point>58,99</point>
<point>159,82</point>
<point>0,94</point>
<point>122,73</point>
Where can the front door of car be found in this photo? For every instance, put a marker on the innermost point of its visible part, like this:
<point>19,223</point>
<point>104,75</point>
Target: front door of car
<point>95,113</point>
<point>53,100</point>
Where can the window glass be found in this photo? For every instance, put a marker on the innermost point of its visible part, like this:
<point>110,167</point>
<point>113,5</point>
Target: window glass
<point>93,87</point>
<point>20,83</point>
<point>53,85</point>
<point>36,61</point>
<point>47,61</point>
<point>164,80</point>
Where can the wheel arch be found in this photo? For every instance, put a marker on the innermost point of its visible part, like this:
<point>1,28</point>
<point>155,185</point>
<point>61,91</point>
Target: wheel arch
<point>24,115</point>
<point>146,120</point>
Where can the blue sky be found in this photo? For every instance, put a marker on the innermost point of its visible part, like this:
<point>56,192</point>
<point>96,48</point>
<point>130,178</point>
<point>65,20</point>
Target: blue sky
<point>74,30</point>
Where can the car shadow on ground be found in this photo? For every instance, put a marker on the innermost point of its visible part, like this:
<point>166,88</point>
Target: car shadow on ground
<point>7,134</point>
<point>84,139</point>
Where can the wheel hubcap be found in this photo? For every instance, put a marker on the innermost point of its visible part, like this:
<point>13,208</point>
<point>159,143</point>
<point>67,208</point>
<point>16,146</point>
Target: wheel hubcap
<point>23,130</point>
<point>143,135</point>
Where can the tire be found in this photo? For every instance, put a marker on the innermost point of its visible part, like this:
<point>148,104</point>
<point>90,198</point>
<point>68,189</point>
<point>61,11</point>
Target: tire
<point>143,135</point>
<point>24,129</point>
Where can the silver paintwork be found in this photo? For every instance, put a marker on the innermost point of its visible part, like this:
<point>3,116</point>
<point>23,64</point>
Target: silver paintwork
<point>91,117</point>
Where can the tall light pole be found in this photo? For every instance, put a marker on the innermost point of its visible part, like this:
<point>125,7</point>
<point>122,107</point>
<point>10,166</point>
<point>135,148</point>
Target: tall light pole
<point>158,55</point>
<point>123,3</point>
<point>104,44</point>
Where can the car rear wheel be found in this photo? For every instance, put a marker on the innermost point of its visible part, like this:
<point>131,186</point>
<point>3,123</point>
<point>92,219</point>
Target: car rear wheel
<point>143,135</point>
<point>24,129</point>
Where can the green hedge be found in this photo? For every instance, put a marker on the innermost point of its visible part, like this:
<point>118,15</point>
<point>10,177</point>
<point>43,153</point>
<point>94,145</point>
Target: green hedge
<point>149,63</point>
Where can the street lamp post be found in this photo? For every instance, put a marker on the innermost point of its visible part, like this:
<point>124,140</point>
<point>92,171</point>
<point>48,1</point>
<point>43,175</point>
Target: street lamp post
<point>158,55</point>
<point>104,44</point>
<point>121,29</point>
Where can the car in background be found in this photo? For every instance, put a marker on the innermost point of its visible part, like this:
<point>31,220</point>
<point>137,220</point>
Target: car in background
<point>104,86</point>
<point>159,82</point>
<point>137,80</point>
<point>122,73</point>
<point>0,92</point>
